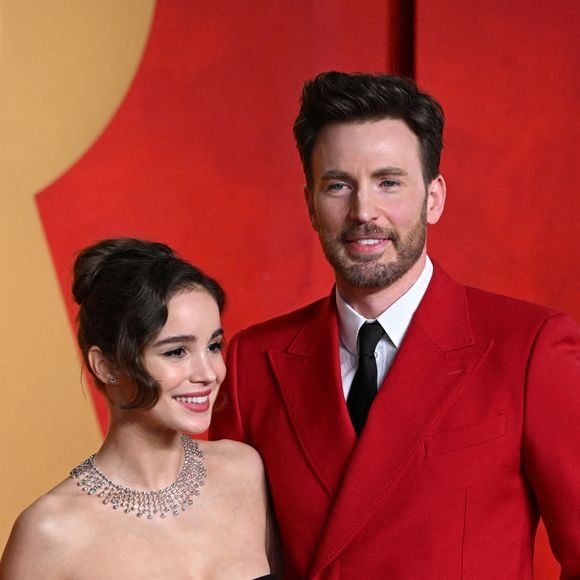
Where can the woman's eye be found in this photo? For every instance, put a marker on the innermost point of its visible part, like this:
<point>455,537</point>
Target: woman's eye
<point>216,346</point>
<point>175,353</point>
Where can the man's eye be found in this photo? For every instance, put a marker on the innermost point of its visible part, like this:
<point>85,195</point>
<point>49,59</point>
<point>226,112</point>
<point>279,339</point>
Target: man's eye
<point>335,186</point>
<point>389,183</point>
<point>175,353</point>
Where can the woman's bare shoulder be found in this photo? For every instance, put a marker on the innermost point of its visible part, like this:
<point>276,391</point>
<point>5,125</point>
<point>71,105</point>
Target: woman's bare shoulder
<point>44,529</point>
<point>50,517</point>
<point>237,478</point>
<point>234,457</point>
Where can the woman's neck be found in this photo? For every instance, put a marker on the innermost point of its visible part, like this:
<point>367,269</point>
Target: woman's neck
<point>140,458</point>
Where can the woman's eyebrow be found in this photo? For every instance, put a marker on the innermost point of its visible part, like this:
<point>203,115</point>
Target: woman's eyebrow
<point>185,338</point>
<point>176,338</point>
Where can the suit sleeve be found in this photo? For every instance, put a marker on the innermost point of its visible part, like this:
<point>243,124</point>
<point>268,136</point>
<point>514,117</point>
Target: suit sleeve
<point>226,420</point>
<point>551,451</point>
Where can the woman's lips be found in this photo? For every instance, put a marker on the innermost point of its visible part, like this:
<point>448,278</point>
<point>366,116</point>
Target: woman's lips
<point>195,402</point>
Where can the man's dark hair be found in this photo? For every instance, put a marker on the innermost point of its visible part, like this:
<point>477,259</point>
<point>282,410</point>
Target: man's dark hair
<point>123,286</point>
<point>337,97</point>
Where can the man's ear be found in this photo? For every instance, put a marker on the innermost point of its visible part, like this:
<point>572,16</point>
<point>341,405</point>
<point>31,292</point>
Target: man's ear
<point>436,192</point>
<point>103,368</point>
<point>309,197</point>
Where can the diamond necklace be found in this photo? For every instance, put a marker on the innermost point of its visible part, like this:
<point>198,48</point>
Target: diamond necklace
<point>174,498</point>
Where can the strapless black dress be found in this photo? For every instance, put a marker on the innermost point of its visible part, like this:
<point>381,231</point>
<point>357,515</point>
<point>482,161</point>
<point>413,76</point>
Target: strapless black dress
<point>267,577</point>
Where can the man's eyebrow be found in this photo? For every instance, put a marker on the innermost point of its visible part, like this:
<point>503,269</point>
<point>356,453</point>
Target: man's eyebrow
<point>389,171</point>
<point>381,172</point>
<point>185,338</point>
<point>335,174</point>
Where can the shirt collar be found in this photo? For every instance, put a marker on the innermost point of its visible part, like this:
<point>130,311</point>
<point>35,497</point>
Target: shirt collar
<point>395,319</point>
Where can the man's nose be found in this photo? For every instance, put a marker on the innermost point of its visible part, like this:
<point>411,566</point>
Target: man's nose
<point>363,206</point>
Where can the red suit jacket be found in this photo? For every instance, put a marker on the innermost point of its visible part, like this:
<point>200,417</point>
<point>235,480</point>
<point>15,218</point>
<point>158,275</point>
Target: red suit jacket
<point>473,434</point>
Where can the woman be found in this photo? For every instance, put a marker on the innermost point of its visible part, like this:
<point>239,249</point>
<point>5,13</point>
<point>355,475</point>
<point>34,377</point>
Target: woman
<point>152,502</point>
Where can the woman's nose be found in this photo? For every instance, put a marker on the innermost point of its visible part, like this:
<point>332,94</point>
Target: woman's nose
<point>202,370</point>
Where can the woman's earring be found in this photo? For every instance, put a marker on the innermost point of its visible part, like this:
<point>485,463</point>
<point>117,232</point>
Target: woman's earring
<point>112,380</point>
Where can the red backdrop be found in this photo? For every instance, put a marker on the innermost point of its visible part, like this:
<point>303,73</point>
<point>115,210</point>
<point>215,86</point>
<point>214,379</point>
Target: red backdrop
<point>200,154</point>
<point>507,74</point>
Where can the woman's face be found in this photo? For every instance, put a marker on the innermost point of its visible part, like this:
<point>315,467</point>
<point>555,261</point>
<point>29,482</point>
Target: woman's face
<point>185,358</point>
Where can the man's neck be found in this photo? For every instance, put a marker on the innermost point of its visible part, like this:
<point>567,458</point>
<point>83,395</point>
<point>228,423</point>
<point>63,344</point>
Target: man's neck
<point>371,302</point>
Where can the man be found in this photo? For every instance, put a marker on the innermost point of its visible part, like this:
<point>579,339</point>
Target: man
<point>427,445</point>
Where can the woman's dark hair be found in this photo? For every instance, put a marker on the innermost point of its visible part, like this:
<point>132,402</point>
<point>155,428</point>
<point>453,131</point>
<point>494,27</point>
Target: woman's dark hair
<point>122,287</point>
<point>337,97</point>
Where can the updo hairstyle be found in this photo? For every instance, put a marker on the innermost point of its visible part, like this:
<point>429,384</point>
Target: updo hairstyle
<point>122,287</point>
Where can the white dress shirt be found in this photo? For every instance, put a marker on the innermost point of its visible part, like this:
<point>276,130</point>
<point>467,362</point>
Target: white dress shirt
<point>395,320</point>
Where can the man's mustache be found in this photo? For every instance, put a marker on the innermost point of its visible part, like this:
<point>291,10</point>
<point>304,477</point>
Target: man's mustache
<point>370,231</point>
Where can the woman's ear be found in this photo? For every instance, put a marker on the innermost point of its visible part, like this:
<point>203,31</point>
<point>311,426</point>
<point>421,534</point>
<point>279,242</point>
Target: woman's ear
<point>105,370</point>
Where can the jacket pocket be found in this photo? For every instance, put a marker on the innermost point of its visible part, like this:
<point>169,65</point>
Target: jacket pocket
<point>466,436</point>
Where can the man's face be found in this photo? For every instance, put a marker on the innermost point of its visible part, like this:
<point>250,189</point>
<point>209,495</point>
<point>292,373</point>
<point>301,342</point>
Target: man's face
<point>369,203</point>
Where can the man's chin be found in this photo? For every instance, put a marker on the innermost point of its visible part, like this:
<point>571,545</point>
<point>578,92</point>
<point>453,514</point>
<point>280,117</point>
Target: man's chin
<point>371,277</point>
<point>373,274</point>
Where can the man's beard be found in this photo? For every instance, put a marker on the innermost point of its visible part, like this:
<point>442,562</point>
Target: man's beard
<point>369,271</point>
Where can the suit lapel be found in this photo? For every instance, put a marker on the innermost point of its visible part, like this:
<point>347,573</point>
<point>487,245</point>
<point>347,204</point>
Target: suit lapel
<point>432,366</point>
<point>308,376</point>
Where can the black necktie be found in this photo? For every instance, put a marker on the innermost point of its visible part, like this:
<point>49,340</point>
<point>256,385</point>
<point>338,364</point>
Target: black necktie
<point>364,385</point>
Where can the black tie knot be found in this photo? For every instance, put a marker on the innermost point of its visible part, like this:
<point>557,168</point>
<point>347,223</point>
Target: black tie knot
<point>368,337</point>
